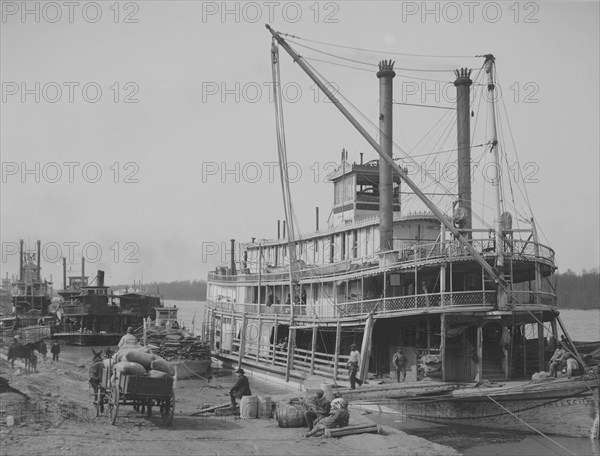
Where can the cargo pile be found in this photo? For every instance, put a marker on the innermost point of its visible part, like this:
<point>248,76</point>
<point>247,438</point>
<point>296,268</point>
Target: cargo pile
<point>178,345</point>
<point>138,360</point>
<point>430,366</point>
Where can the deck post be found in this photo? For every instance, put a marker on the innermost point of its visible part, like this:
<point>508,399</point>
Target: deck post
<point>212,328</point>
<point>221,338</point>
<point>443,345</point>
<point>428,335</point>
<point>479,352</point>
<point>442,273</point>
<point>314,347</point>
<point>275,342</point>
<point>336,355</point>
<point>524,351</point>
<point>506,361</point>
<point>258,338</point>
<point>555,334</point>
<point>243,340</point>
<point>366,349</point>
<point>541,361</point>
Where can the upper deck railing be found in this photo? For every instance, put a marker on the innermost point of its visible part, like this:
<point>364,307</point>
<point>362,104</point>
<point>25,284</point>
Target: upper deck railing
<point>484,299</point>
<point>409,256</point>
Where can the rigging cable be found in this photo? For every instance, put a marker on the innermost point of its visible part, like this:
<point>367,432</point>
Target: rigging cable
<point>379,52</point>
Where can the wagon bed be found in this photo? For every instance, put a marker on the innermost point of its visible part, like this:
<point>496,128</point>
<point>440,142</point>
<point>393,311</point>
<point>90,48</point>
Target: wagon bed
<point>143,392</point>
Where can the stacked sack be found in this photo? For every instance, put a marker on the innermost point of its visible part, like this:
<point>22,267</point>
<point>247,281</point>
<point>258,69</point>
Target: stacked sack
<point>431,366</point>
<point>139,360</point>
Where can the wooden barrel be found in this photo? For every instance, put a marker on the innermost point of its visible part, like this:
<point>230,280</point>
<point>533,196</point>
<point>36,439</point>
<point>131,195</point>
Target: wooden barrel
<point>264,407</point>
<point>248,407</point>
<point>290,415</point>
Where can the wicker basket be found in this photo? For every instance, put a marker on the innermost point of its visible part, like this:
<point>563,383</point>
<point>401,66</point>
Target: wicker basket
<point>290,415</point>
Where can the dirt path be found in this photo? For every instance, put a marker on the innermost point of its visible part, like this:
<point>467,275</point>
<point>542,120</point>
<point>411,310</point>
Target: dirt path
<point>59,419</point>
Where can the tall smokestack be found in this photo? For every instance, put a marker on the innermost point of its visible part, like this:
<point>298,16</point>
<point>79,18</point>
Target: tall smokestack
<point>100,278</point>
<point>64,273</point>
<point>233,257</point>
<point>82,271</point>
<point>283,229</point>
<point>21,258</point>
<point>278,229</point>
<point>463,82</point>
<point>317,217</point>
<point>386,75</point>
<point>39,260</point>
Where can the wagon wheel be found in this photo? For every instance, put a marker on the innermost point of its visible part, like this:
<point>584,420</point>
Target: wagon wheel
<point>167,410</point>
<point>114,404</point>
<point>99,402</point>
<point>149,408</point>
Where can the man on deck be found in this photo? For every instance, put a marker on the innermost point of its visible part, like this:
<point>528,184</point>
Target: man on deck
<point>400,361</point>
<point>353,361</point>
<point>557,358</point>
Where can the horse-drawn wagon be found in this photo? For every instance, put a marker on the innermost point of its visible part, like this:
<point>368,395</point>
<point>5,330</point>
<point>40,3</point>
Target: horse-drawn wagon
<point>143,392</point>
<point>140,391</point>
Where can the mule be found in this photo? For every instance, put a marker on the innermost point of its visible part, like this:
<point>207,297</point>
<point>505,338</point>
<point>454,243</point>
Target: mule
<point>95,377</point>
<point>25,352</point>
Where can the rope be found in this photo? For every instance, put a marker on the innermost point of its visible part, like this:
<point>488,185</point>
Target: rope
<point>531,427</point>
<point>193,373</point>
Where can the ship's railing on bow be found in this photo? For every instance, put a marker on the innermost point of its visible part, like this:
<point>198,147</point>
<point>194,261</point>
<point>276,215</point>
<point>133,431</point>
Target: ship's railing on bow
<point>409,255</point>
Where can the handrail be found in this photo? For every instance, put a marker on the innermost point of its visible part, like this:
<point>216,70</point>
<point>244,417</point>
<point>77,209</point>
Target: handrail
<point>412,253</point>
<point>393,304</point>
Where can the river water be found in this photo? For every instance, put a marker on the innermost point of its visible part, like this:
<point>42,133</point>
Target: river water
<point>582,325</point>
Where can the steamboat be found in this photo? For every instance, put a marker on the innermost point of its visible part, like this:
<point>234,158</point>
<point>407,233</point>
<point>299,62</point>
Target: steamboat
<point>470,301</point>
<point>91,314</point>
<point>31,297</point>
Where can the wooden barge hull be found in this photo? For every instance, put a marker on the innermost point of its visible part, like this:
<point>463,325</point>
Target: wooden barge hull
<point>561,407</point>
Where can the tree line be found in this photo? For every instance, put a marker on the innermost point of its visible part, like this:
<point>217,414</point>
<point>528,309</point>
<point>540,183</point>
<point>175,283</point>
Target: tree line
<point>179,290</point>
<point>578,291</point>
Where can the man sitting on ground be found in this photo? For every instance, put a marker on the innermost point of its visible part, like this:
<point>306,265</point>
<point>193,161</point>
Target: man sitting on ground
<point>319,408</point>
<point>339,418</point>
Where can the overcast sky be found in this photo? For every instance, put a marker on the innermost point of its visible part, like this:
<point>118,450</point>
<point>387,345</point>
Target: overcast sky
<point>141,134</point>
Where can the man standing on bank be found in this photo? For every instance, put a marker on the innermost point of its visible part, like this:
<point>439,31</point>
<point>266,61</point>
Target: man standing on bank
<point>353,361</point>
<point>55,350</point>
<point>400,361</point>
<point>241,387</point>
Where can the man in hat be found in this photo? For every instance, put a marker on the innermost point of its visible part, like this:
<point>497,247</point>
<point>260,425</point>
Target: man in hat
<point>340,417</point>
<point>318,408</point>
<point>557,359</point>
<point>128,339</point>
<point>399,359</point>
<point>55,350</point>
<point>353,361</point>
<point>241,387</point>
